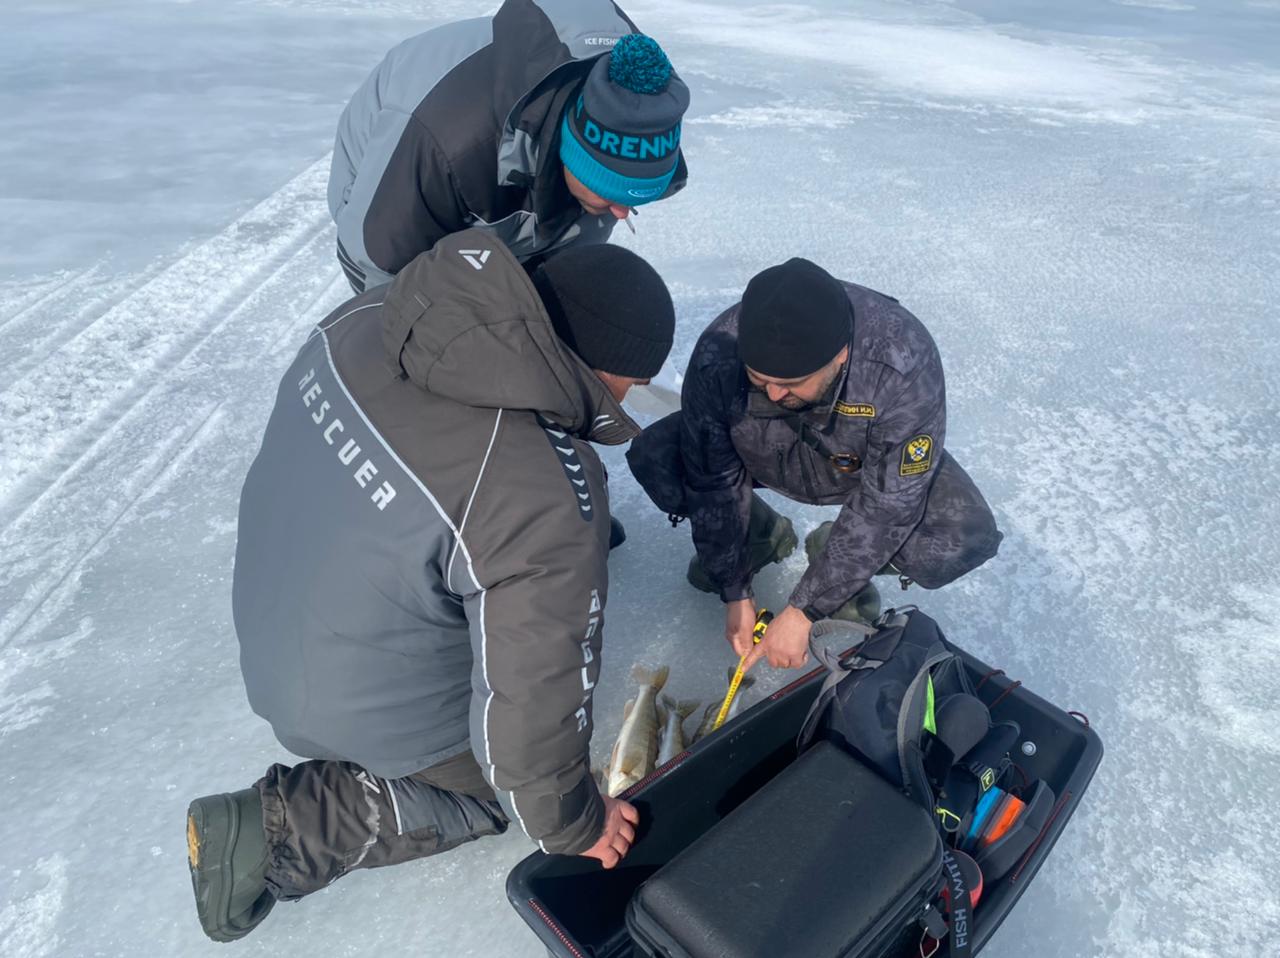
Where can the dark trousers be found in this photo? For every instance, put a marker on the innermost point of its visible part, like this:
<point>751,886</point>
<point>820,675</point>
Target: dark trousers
<point>956,534</point>
<point>325,818</point>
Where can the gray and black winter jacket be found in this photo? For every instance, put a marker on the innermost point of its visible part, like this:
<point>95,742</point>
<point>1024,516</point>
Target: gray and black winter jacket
<point>460,127</point>
<point>873,445</point>
<point>421,565</point>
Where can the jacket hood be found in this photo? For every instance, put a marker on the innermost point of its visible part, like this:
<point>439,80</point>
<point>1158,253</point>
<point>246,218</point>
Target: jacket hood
<point>463,321</point>
<point>539,52</point>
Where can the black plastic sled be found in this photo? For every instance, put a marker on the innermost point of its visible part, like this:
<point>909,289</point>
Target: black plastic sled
<point>578,909</point>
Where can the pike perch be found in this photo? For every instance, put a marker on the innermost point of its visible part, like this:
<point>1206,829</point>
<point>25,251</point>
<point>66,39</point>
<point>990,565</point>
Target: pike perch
<point>637,745</point>
<point>671,716</point>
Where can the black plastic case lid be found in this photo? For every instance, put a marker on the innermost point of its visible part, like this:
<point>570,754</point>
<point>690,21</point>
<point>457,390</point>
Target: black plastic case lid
<point>820,860</point>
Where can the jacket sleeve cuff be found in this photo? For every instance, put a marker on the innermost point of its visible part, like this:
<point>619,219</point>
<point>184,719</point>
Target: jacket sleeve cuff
<point>585,810</point>
<point>821,606</point>
<point>736,592</point>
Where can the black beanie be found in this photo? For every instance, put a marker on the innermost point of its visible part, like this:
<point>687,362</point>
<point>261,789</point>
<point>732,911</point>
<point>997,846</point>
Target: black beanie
<point>610,307</point>
<point>794,319</point>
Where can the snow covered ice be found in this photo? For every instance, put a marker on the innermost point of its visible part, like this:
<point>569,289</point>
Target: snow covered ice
<point>1082,203</point>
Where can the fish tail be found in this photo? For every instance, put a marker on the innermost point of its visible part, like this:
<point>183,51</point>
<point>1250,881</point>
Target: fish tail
<point>686,708</point>
<point>657,677</point>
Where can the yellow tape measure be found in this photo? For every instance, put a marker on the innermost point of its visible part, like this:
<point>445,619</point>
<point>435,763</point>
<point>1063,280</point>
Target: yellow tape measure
<point>763,618</point>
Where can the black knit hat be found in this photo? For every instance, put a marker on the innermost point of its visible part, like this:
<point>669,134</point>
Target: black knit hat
<point>610,307</point>
<point>794,319</point>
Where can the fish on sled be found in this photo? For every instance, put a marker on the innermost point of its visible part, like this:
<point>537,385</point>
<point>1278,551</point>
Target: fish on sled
<point>820,822</point>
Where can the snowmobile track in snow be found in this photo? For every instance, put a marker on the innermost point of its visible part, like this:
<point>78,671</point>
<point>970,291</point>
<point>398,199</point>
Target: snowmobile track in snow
<point>36,332</point>
<point>58,289</point>
<point>89,444</point>
<point>61,405</point>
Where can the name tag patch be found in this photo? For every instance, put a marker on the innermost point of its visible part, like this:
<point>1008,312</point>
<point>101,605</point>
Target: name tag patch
<point>917,456</point>
<point>860,409</point>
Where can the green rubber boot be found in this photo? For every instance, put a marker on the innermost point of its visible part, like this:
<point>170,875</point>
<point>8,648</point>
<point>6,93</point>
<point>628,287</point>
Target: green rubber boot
<point>770,538</point>
<point>227,852</point>
<point>864,607</point>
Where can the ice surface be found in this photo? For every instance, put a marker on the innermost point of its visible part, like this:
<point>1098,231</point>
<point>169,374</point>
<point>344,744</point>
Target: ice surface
<point>1080,201</point>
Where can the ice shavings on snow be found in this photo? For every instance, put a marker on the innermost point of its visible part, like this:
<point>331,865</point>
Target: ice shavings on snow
<point>974,61</point>
<point>1234,658</point>
<point>781,115</point>
<point>27,922</point>
<point>21,707</point>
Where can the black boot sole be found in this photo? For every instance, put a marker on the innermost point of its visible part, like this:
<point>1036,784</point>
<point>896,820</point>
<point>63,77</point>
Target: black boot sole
<point>213,826</point>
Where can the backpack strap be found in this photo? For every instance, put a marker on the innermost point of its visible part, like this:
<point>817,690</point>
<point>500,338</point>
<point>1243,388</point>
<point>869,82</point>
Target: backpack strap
<point>988,761</point>
<point>956,929</point>
<point>916,713</point>
<point>837,668</point>
<point>960,924</point>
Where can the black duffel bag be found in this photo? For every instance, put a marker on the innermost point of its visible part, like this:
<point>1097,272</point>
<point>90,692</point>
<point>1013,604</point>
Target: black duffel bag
<point>900,700</point>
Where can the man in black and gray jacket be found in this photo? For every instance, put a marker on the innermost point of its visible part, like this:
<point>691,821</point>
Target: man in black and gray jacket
<point>420,577</point>
<point>542,125</point>
<point>831,394</point>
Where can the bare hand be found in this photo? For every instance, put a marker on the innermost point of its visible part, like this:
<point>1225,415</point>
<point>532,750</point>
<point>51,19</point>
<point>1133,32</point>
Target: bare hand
<point>620,821</point>
<point>785,643</point>
<point>739,622</point>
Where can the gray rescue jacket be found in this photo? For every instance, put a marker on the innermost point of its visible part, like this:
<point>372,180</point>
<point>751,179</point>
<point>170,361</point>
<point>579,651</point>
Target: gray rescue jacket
<point>421,564</point>
<point>460,127</point>
<point>872,445</point>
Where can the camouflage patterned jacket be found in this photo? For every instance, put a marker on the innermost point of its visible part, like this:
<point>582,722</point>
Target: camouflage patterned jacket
<point>872,445</point>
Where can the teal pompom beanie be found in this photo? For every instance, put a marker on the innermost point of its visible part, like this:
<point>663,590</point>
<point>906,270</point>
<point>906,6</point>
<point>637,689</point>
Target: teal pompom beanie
<point>621,135</point>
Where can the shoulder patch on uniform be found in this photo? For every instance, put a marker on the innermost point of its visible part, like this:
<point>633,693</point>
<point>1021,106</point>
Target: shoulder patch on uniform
<point>917,456</point>
<point>568,456</point>
<point>862,409</point>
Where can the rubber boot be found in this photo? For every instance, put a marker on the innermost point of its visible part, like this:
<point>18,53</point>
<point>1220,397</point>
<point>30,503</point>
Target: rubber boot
<point>227,852</point>
<point>770,538</point>
<point>864,607</point>
<point>617,534</point>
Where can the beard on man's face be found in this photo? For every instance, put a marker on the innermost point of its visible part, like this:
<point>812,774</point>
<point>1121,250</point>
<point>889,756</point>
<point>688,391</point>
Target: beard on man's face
<point>794,403</point>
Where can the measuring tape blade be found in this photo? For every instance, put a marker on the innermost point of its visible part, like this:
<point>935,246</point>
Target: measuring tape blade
<point>762,622</point>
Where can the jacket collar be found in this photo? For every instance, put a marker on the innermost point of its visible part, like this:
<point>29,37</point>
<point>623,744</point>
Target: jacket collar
<point>463,321</point>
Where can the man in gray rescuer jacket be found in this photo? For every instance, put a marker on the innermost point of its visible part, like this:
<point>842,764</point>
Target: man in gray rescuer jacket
<point>420,577</point>
<point>543,125</point>
<point>831,394</point>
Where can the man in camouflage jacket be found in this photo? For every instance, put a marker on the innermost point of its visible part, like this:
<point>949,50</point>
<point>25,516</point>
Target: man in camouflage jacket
<point>831,394</point>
